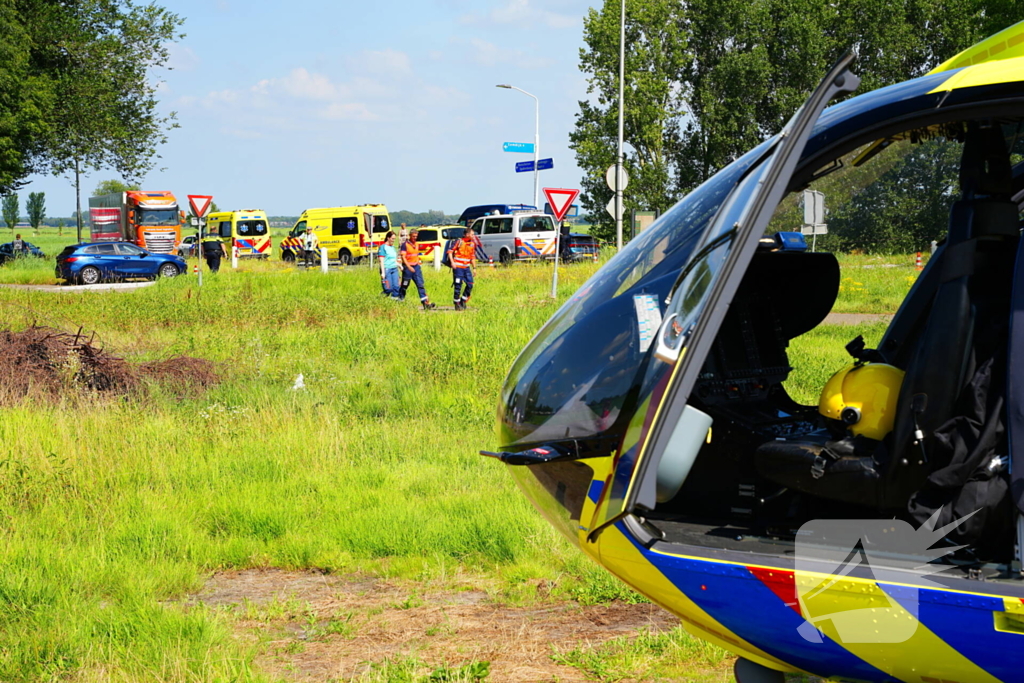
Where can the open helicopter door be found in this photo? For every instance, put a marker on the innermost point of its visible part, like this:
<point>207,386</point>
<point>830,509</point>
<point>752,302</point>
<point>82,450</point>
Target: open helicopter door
<point>1015,401</point>
<point>664,424</point>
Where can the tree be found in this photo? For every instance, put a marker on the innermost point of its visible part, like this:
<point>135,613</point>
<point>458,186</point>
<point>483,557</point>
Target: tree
<point>9,209</point>
<point>36,209</point>
<point>733,72</point>
<point>25,100</point>
<point>83,67</point>
<point>905,209</point>
<point>653,106</point>
<point>114,187</point>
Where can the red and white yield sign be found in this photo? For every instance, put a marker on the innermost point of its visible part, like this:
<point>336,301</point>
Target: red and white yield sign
<point>200,204</point>
<point>560,200</point>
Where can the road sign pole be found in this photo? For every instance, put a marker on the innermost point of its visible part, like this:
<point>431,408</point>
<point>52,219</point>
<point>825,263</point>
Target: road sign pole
<point>536,154</point>
<point>200,205</point>
<point>558,248</point>
<point>618,157</point>
<point>561,201</point>
<point>199,248</point>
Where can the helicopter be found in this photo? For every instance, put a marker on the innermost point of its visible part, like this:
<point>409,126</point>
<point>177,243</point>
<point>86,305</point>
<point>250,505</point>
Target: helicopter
<point>875,536</point>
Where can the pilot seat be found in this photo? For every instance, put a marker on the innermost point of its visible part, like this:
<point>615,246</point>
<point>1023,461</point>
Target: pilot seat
<point>891,413</point>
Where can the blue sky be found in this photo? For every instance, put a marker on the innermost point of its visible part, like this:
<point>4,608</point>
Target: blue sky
<point>290,105</point>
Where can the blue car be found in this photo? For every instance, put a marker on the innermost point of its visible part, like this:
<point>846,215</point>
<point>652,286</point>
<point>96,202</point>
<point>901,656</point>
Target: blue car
<point>9,253</point>
<point>94,262</point>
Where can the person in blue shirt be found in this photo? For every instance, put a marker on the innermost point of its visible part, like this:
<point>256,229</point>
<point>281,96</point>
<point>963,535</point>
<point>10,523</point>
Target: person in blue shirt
<point>388,258</point>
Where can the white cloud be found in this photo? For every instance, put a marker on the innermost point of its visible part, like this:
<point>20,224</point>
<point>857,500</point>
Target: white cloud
<point>340,111</point>
<point>520,12</point>
<point>301,84</point>
<point>242,133</point>
<point>381,62</point>
<point>182,57</point>
<point>489,54</point>
<point>306,98</point>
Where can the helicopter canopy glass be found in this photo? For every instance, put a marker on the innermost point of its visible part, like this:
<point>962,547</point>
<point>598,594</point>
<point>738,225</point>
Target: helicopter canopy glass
<point>595,336</point>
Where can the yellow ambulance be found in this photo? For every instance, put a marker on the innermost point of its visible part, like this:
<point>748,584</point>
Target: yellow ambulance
<point>248,230</point>
<point>349,233</point>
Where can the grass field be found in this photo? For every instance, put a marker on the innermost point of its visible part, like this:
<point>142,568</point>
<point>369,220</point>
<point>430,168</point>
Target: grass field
<point>112,510</point>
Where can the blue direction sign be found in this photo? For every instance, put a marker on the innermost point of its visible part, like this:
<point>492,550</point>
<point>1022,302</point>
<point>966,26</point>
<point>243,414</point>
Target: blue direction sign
<point>527,166</point>
<point>525,147</point>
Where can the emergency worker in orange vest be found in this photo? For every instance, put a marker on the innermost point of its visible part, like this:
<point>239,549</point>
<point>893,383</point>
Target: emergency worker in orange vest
<point>409,254</point>
<point>462,256</point>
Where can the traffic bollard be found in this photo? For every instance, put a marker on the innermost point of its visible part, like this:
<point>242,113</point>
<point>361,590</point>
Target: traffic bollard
<point>323,259</point>
<point>234,257</point>
<point>437,258</point>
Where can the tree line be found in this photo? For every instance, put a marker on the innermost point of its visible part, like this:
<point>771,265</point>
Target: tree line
<point>707,80</point>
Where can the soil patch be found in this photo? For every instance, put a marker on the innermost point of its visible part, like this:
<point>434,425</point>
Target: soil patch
<point>47,363</point>
<point>315,627</point>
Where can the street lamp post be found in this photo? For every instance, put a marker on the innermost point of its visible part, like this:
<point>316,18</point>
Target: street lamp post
<point>536,141</point>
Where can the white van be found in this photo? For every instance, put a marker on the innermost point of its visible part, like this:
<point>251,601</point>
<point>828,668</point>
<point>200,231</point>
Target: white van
<point>517,236</point>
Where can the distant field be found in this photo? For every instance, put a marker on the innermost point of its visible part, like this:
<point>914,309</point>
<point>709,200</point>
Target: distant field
<point>110,510</point>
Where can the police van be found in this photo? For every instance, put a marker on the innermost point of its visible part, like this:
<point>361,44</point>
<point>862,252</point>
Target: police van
<point>246,230</point>
<point>349,233</point>
<point>519,236</point>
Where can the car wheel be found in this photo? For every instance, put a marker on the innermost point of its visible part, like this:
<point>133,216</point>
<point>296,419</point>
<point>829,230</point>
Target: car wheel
<point>288,256</point>
<point>89,275</point>
<point>168,270</point>
<point>505,257</point>
<point>345,256</point>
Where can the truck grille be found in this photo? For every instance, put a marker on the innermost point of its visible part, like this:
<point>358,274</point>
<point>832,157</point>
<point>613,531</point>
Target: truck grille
<point>160,242</point>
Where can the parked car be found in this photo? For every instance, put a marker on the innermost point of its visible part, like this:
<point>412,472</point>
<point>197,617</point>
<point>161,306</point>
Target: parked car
<point>187,248</point>
<point>581,247</point>
<point>90,263</point>
<point>7,252</point>
<point>519,236</point>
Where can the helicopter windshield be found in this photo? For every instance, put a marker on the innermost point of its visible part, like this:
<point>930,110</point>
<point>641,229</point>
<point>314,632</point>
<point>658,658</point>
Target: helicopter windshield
<point>599,328</point>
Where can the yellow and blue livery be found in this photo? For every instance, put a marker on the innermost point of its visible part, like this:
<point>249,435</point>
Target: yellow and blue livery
<point>873,535</point>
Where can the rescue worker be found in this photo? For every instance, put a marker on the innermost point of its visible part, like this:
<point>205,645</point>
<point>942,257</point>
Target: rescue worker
<point>411,271</point>
<point>310,247</point>
<point>213,252</point>
<point>462,256</point>
<point>19,245</point>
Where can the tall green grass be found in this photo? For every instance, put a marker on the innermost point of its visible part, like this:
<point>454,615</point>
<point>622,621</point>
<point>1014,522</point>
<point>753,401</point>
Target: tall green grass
<point>108,507</point>
<point>111,509</point>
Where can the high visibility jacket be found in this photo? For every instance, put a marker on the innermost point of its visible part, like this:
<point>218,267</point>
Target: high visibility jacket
<point>463,254</point>
<point>411,253</point>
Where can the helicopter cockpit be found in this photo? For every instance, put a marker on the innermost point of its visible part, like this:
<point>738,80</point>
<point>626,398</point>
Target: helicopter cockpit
<point>675,361</point>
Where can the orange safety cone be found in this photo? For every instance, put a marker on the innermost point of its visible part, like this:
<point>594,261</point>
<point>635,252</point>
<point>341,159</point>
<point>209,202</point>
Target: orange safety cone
<point>195,269</point>
<point>917,262</point>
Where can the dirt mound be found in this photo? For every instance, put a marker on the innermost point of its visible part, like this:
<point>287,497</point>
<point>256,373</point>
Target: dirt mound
<point>47,363</point>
